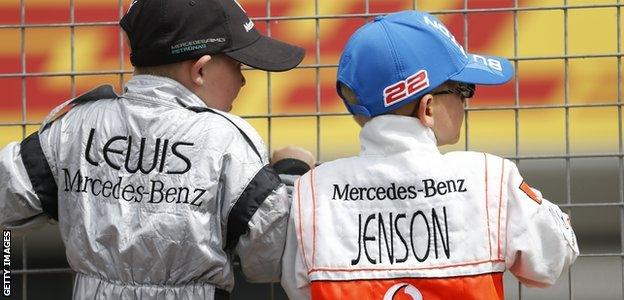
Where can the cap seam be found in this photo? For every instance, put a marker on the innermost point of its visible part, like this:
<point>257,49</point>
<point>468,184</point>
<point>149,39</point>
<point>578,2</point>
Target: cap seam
<point>451,55</point>
<point>164,29</point>
<point>228,32</point>
<point>355,39</point>
<point>395,56</point>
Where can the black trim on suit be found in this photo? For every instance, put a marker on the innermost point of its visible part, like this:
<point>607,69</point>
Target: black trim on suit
<point>40,174</point>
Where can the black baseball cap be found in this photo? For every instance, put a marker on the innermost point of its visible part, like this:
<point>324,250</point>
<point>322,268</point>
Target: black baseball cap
<point>169,31</point>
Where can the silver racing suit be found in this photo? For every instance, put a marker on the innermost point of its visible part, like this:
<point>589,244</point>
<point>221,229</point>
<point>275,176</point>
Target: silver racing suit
<point>153,192</point>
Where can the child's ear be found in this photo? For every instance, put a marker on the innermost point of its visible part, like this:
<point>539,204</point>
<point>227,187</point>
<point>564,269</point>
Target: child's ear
<point>197,70</point>
<point>425,111</point>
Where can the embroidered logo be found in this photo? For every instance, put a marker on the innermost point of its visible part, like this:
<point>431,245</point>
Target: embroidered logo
<point>249,25</point>
<point>405,88</point>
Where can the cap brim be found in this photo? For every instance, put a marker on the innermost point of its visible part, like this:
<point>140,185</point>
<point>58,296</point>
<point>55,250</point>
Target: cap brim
<point>484,69</point>
<point>269,54</point>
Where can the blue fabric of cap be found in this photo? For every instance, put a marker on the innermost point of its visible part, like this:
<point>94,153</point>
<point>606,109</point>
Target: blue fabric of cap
<point>398,58</point>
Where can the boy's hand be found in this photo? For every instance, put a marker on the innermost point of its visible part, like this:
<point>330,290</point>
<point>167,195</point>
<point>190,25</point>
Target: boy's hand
<point>294,152</point>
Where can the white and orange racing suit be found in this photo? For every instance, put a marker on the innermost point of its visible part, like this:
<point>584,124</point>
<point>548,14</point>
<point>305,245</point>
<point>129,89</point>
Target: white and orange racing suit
<point>401,219</point>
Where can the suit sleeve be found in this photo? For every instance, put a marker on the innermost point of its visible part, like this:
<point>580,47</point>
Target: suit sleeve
<point>289,170</point>
<point>20,206</point>
<point>270,232</point>
<point>260,248</point>
<point>541,244</point>
<point>295,279</point>
<point>255,211</point>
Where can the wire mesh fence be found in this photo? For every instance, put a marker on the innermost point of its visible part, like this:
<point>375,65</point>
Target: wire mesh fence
<point>560,119</point>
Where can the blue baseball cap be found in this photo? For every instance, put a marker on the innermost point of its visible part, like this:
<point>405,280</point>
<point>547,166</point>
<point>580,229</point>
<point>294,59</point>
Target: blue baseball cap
<point>398,58</point>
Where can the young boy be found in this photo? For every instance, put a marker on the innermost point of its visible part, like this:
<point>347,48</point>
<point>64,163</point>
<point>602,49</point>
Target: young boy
<point>156,190</point>
<point>401,220</point>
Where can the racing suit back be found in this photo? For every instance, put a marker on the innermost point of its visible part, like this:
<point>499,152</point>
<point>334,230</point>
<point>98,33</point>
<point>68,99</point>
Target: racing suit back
<point>403,220</point>
<point>153,197</point>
